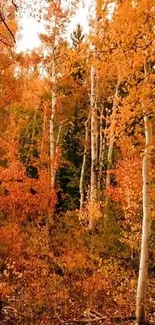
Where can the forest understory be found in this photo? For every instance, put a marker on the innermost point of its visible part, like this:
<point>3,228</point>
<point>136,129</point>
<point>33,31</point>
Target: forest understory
<point>77,164</point>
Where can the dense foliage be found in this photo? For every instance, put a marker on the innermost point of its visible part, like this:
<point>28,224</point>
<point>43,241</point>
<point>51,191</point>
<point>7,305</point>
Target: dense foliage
<point>65,254</point>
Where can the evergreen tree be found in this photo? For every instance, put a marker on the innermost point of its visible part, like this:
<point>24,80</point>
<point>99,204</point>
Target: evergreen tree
<point>68,176</point>
<point>77,36</point>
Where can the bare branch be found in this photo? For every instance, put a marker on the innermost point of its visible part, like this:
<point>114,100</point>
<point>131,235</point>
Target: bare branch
<point>151,284</point>
<point>98,319</point>
<point>14,4</point>
<point>7,27</point>
<point>5,43</point>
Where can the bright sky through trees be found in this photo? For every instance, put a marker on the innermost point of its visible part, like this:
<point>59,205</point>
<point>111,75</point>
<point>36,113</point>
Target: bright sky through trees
<point>31,26</point>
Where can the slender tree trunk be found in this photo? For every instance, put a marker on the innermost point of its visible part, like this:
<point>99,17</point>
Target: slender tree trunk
<point>94,117</point>
<point>52,137</point>
<point>81,186</point>
<point>93,177</point>
<point>110,150</point>
<point>58,136</point>
<point>111,138</point>
<point>101,151</point>
<point>43,131</point>
<point>144,257</point>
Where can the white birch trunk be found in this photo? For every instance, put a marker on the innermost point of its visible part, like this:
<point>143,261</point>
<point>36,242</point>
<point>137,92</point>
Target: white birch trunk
<point>58,136</point>
<point>93,180</point>
<point>52,137</point>
<point>81,185</point>
<point>110,150</point>
<point>94,120</point>
<point>43,132</point>
<point>144,257</point>
<point>111,138</point>
<point>93,176</point>
<point>101,150</point>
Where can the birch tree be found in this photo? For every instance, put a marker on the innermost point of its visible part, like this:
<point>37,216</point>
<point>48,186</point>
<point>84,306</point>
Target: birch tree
<point>81,186</point>
<point>56,20</point>
<point>144,258</point>
<point>110,149</point>
<point>93,179</point>
<point>94,120</point>
<point>102,143</point>
<point>52,136</point>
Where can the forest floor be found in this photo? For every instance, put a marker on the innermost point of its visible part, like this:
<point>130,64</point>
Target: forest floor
<point>92,320</point>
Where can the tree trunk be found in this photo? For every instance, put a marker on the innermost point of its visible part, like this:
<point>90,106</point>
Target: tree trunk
<point>110,150</point>
<point>52,137</point>
<point>43,131</point>
<point>81,186</point>
<point>93,177</point>
<point>101,151</point>
<point>94,117</point>
<point>144,257</point>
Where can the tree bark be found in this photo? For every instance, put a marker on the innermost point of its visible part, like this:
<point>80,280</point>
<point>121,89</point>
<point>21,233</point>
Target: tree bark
<point>144,257</point>
<point>93,177</point>
<point>81,186</point>
<point>52,137</point>
<point>102,146</point>
<point>94,117</point>
<point>43,130</point>
<point>110,150</point>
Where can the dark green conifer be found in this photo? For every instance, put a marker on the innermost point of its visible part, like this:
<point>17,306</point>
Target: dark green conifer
<point>77,36</point>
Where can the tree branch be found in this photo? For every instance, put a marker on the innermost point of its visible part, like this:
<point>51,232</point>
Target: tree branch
<point>14,4</point>
<point>7,27</point>
<point>5,43</point>
<point>98,319</point>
